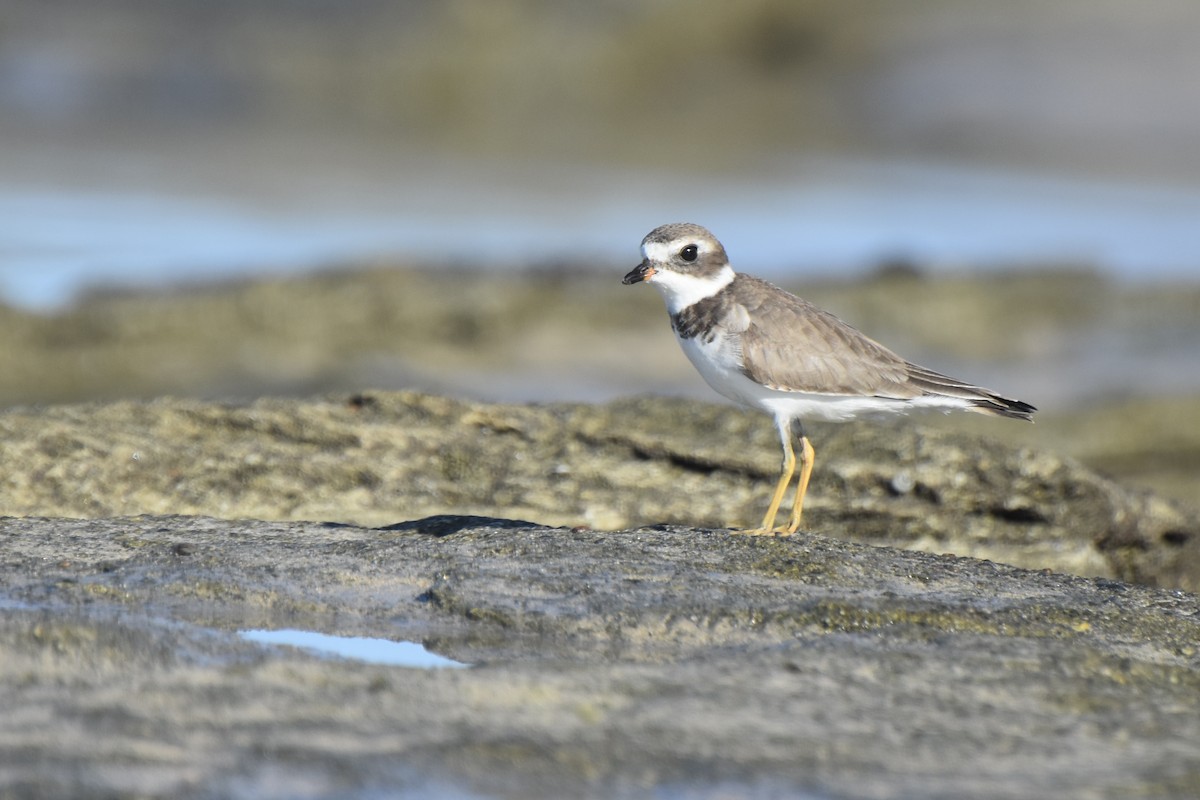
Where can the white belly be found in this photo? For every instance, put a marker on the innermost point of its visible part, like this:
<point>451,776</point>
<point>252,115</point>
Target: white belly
<point>719,363</point>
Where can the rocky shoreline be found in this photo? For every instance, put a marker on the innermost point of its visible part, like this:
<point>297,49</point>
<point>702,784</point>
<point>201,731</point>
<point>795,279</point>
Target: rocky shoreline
<point>681,661</point>
<point>573,332</point>
<point>642,657</point>
<point>378,457</point>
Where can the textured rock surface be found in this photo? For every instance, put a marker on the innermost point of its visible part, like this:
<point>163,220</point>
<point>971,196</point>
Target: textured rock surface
<point>672,658</point>
<point>689,662</point>
<point>375,458</point>
<point>573,332</point>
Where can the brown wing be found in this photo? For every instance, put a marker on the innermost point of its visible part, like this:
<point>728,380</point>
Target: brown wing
<point>794,346</point>
<point>810,350</point>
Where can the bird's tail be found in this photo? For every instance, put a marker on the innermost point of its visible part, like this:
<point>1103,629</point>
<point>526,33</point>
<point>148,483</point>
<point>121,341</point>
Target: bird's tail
<point>978,399</point>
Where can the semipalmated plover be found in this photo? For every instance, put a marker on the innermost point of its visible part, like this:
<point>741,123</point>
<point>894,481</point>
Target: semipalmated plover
<point>771,350</point>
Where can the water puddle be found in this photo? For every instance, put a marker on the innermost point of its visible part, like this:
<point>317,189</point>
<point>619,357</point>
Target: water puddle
<point>360,648</point>
<point>9,604</point>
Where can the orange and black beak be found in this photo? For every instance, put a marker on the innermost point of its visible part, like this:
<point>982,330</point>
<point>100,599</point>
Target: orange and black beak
<point>642,272</point>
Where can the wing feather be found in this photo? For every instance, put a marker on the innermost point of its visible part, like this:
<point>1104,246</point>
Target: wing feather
<point>793,346</point>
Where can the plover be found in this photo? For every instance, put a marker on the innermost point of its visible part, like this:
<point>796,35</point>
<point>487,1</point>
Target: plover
<point>768,349</point>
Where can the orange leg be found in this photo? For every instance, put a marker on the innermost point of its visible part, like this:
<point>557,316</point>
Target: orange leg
<point>785,477</point>
<point>807,456</point>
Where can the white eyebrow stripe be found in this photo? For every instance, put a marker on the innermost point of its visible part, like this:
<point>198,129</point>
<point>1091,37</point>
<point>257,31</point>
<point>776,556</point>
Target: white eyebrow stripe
<point>658,251</point>
<point>665,251</point>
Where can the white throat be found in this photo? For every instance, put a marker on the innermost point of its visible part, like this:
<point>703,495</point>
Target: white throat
<point>680,290</point>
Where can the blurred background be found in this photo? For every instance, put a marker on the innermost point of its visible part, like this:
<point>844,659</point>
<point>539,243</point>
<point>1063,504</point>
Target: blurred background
<point>229,198</point>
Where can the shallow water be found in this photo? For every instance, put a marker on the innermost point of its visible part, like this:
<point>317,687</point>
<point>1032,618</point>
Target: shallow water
<point>142,224</point>
<point>360,648</point>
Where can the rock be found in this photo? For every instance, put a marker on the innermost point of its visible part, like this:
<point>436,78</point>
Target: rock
<point>662,660</point>
<point>374,458</point>
<point>572,332</point>
<point>638,647</point>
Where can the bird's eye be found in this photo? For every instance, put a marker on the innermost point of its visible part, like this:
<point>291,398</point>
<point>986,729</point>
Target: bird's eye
<point>689,253</point>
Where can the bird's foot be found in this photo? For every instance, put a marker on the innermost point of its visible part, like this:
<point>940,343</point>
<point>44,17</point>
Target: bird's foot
<point>764,532</point>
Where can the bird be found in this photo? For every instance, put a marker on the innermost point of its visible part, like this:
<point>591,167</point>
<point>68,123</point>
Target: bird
<point>767,349</point>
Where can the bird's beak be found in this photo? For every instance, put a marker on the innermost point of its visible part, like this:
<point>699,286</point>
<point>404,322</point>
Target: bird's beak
<point>642,272</point>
